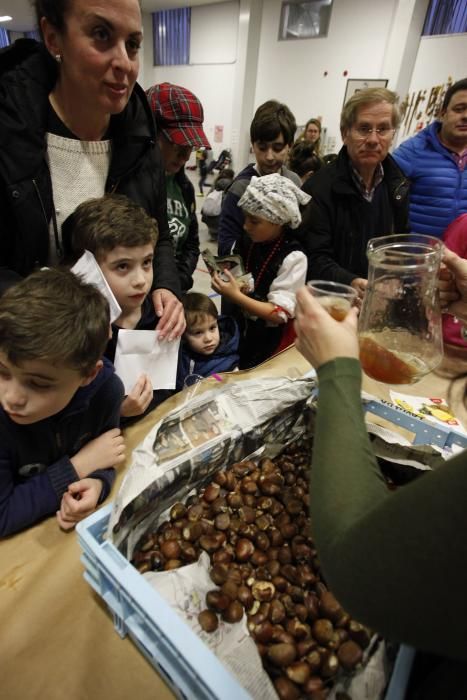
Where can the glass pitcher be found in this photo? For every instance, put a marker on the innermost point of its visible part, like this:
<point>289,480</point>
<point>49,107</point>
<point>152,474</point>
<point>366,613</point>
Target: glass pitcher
<point>400,331</point>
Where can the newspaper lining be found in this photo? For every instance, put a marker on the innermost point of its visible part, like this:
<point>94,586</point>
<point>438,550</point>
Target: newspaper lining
<point>233,263</point>
<point>185,448</point>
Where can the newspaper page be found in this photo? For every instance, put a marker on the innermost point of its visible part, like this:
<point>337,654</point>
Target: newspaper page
<point>233,263</point>
<point>184,449</point>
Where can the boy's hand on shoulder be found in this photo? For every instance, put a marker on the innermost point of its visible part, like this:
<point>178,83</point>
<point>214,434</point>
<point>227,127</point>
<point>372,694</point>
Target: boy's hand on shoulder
<point>78,502</point>
<point>105,451</point>
<point>138,399</point>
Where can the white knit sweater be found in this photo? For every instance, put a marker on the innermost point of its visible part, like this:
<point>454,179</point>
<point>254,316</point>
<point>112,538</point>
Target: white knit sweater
<point>79,172</point>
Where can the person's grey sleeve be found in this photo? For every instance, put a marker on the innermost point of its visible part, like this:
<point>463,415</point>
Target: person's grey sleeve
<point>395,560</point>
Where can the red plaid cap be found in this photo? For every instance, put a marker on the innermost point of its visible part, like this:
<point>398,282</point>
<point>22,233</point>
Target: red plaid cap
<point>179,114</point>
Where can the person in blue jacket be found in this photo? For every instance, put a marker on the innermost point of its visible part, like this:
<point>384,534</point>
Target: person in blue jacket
<point>210,342</point>
<point>435,162</point>
<point>60,402</point>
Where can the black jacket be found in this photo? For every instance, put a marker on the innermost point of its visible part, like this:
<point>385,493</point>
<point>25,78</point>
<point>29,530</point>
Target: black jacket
<point>27,76</point>
<point>338,222</point>
<point>187,258</point>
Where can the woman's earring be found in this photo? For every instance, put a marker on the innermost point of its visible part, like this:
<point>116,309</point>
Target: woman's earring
<point>58,58</point>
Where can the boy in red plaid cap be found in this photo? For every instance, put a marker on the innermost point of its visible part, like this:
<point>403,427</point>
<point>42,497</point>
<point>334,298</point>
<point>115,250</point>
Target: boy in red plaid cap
<point>179,119</point>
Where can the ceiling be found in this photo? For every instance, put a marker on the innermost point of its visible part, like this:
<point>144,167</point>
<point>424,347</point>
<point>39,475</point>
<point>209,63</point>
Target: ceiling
<point>23,15</point>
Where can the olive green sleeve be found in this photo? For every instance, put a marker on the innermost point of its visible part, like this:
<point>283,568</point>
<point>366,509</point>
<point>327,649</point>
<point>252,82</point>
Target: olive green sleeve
<point>397,561</point>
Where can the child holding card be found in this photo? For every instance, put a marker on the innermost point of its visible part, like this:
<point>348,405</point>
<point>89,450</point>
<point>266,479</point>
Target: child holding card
<point>273,254</point>
<point>122,238</point>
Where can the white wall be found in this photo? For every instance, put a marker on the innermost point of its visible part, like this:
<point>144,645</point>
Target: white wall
<point>440,60</point>
<point>293,71</point>
<point>211,72</point>
<point>367,39</point>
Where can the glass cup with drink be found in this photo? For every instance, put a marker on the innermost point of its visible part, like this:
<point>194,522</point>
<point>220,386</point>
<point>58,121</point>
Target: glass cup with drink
<point>336,298</point>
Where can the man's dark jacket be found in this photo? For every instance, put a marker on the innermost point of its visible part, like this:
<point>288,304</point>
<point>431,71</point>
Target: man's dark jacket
<point>338,222</point>
<point>27,76</point>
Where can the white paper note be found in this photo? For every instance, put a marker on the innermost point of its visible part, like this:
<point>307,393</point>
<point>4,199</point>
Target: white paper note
<point>142,352</point>
<point>88,269</point>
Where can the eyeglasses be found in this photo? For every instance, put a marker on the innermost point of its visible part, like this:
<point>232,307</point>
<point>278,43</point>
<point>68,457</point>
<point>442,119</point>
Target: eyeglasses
<point>364,132</point>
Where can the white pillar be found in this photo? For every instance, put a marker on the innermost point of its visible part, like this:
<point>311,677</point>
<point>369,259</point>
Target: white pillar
<point>249,31</point>
<point>402,45</point>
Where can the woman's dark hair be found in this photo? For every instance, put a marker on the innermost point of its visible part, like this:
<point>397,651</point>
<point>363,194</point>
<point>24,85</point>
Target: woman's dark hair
<point>53,10</point>
<point>303,158</point>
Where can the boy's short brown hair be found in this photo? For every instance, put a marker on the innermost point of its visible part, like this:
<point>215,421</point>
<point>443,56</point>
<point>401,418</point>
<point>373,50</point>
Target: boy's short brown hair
<point>271,119</point>
<point>101,224</point>
<point>197,306</point>
<point>53,315</point>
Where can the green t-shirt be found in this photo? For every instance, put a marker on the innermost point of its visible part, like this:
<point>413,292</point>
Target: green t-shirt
<point>177,214</point>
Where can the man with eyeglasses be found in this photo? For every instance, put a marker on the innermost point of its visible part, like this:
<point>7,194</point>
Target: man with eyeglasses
<point>362,194</point>
<point>435,161</point>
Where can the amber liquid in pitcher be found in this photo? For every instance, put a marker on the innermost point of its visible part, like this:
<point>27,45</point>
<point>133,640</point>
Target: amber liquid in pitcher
<point>388,366</point>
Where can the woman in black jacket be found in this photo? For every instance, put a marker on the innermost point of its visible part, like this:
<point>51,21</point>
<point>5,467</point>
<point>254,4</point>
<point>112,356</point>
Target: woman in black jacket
<point>74,124</point>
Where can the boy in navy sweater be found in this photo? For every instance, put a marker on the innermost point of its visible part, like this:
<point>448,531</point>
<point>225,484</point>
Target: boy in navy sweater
<point>60,403</point>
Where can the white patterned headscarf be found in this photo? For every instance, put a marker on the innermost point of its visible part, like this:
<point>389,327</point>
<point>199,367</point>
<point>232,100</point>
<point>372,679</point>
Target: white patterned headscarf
<point>274,198</point>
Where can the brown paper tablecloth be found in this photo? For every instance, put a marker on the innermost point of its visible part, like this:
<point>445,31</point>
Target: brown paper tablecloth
<point>57,639</point>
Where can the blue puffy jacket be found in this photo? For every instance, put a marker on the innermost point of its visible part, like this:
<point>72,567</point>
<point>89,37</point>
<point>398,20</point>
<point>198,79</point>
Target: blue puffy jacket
<point>438,189</point>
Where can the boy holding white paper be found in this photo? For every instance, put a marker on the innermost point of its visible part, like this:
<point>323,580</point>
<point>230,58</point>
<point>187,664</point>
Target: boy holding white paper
<point>122,237</point>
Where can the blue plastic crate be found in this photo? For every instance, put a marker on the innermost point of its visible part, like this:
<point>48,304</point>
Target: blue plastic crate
<point>173,649</point>
<point>425,433</point>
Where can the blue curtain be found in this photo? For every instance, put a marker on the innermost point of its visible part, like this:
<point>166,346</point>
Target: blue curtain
<point>446,17</point>
<point>4,38</point>
<point>171,36</point>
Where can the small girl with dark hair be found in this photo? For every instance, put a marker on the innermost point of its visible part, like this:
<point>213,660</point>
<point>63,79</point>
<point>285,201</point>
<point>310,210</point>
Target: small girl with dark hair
<point>210,342</point>
<point>272,252</point>
<point>303,160</point>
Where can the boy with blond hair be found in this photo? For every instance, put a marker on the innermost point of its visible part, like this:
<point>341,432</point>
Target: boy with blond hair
<point>59,401</point>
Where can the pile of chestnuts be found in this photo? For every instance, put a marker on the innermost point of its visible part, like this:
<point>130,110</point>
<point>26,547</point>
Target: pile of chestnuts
<point>252,520</point>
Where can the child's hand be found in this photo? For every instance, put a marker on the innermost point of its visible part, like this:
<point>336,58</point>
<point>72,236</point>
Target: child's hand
<point>229,289</point>
<point>78,502</point>
<point>107,450</point>
<point>138,399</point>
